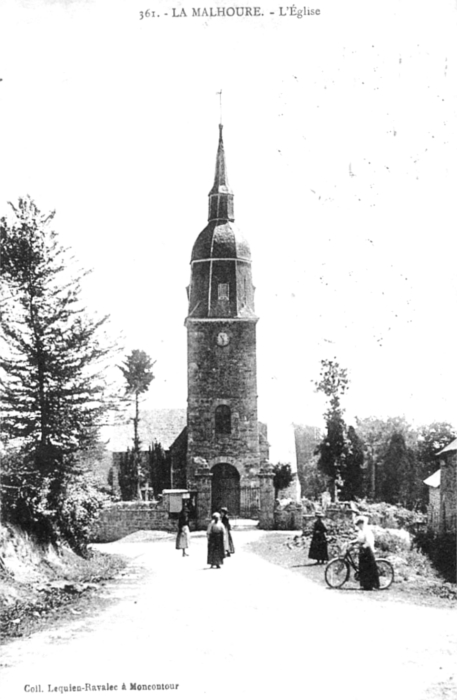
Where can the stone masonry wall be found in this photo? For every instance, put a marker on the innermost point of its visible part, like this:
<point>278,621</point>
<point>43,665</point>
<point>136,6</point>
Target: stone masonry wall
<point>222,375</point>
<point>433,510</point>
<point>289,517</point>
<point>118,520</point>
<point>292,491</point>
<point>448,491</point>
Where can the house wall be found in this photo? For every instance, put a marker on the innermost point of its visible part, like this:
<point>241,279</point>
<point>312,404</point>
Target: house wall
<point>448,504</point>
<point>433,509</point>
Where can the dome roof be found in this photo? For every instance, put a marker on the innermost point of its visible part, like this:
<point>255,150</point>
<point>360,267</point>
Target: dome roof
<point>220,239</point>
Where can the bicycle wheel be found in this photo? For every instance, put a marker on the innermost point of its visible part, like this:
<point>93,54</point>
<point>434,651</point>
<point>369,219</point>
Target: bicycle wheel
<point>336,572</point>
<point>385,573</point>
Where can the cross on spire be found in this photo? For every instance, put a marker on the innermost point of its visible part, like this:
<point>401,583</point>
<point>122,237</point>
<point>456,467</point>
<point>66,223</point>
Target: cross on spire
<point>220,105</point>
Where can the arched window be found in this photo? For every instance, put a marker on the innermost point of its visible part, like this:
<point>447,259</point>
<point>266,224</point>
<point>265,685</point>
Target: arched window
<point>223,420</point>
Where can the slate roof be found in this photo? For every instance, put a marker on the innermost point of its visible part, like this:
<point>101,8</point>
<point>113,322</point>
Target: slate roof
<point>434,480</point>
<point>452,447</point>
<point>162,425</point>
<point>221,240</point>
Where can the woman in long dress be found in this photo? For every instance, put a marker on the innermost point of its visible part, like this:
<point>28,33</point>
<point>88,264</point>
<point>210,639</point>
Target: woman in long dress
<point>318,547</point>
<point>228,541</point>
<point>183,536</point>
<point>368,571</point>
<point>215,535</point>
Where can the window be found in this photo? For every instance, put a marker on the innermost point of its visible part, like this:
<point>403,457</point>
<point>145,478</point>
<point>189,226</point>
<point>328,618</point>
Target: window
<point>223,292</point>
<point>223,420</point>
<point>245,292</point>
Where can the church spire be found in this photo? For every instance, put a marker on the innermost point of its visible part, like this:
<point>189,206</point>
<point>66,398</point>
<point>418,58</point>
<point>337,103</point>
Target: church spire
<point>221,196</point>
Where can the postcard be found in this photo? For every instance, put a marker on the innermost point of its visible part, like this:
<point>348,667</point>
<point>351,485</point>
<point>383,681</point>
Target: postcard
<point>260,193</point>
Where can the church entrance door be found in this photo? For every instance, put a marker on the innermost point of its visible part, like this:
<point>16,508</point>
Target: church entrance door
<point>225,489</point>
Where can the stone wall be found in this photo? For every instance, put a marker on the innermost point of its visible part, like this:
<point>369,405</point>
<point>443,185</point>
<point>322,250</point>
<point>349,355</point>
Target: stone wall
<point>433,509</point>
<point>293,491</point>
<point>267,499</point>
<point>118,520</point>
<point>338,521</point>
<point>222,375</point>
<point>448,491</point>
<point>340,516</point>
<point>297,515</point>
<point>288,517</point>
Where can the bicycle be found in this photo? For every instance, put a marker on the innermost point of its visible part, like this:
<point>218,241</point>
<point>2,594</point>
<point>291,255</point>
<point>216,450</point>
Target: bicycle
<point>338,570</point>
<point>334,547</point>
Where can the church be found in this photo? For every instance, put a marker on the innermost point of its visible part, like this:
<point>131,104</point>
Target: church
<point>223,431</point>
<point>219,452</point>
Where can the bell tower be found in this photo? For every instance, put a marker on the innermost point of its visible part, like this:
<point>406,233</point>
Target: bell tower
<point>222,423</point>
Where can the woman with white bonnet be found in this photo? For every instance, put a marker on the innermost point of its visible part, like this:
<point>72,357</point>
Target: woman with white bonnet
<point>368,571</point>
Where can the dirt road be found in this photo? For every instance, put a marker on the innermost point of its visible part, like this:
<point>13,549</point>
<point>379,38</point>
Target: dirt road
<point>248,630</point>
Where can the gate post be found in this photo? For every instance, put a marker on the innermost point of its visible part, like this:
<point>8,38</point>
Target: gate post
<point>203,487</point>
<point>267,498</point>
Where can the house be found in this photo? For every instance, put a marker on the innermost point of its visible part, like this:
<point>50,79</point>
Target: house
<point>448,488</point>
<point>434,500</point>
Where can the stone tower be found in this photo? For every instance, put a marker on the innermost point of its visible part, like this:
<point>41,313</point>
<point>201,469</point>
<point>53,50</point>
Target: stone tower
<point>222,424</point>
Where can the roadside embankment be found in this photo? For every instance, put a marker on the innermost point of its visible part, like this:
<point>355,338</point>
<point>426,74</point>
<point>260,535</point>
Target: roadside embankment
<point>37,583</point>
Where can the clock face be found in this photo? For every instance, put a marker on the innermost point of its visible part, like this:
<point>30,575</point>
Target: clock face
<point>223,339</point>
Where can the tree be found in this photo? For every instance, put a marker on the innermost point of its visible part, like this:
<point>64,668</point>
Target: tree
<point>128,476</point>
<point>52,392</point>
<point>159,468</point>
<point>351,470</point>
<point>138,375</point>
<point>398,474</point>
<point>313,482</point>
<point>420,446</point>
<point>333,383</point>
<point>283,477</point>
<point>376,434</point>
<point>340,452</point>
<point>431,439</point>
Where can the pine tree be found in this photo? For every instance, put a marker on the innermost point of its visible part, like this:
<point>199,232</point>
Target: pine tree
<point>397,472</point>
<point>351,472</point>
<point>376,434</point>
<point>52,395</point>
<point>159,468</point>
<point>138,375</point>
<point>128,476</point>
<point>333,383</point>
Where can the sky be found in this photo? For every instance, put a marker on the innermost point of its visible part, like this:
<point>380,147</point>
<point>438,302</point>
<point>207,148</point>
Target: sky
<point>341,144</point>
